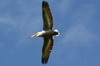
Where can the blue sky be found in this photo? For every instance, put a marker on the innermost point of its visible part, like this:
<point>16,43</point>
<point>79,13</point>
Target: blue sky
<point>77,20</point>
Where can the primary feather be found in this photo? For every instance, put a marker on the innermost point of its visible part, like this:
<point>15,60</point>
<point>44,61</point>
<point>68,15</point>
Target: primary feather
<point>47,16</point>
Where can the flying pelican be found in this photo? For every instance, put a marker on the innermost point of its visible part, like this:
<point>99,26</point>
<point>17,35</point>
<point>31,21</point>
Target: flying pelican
<point>47,32</point>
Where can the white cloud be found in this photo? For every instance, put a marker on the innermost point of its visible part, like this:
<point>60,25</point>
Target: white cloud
<point>79,36</point>
<point>27,21</point>
<point>80,31</point>
<point>77,41</point>
<point>84,14</point>
<point>4,19</point>
<point>65,5</point>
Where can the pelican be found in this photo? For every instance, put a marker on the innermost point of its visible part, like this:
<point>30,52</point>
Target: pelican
<point>47,33</point>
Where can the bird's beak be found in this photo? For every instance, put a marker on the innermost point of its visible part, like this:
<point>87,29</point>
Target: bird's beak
<point>33,35</point>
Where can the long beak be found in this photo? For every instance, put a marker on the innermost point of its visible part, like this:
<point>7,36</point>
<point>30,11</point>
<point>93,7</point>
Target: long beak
<point>33,35</point>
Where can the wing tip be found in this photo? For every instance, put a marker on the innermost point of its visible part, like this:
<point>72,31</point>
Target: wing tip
<point>44,60</point>
<point>45,4</point>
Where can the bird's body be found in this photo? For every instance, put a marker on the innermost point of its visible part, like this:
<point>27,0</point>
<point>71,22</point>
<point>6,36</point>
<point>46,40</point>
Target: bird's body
<point>47,32</point>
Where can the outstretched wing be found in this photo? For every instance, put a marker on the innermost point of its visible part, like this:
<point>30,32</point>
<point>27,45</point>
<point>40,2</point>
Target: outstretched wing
<point>47,16</point>
<point>47,48</point>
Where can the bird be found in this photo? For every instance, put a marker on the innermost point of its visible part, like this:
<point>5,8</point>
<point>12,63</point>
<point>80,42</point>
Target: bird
<point>47,33</point>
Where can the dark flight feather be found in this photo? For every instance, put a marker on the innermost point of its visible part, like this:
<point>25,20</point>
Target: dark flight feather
<point>47,16</point>
<point>47,48</point>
